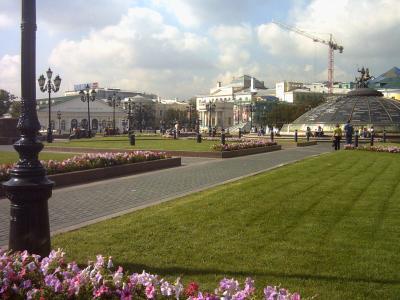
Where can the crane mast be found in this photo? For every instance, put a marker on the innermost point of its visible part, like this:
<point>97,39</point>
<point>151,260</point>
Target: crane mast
<point>332,46</point>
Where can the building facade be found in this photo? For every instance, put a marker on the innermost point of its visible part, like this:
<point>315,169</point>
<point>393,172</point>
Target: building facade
<point>70,112</point>
<point>230,103</point>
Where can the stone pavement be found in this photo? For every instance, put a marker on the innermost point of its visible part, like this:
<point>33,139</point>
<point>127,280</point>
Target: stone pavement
<point>77,206</point>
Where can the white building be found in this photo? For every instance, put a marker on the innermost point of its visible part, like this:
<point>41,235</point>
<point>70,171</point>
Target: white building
<point>73,113</point>
<point>232,102</point>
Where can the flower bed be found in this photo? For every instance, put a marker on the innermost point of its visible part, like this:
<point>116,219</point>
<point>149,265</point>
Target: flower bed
<point>24,276</point>
<point>242,145</point>
<point>91,161</point>
<point>228,139</point>
<point>388,149</point>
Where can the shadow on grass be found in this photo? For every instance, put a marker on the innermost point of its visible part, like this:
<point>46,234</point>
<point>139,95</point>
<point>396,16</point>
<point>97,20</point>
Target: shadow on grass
<point>180,271</point>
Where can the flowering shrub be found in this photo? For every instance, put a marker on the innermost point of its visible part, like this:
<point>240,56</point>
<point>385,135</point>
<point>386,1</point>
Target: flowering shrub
<point>90,161</point>
<point>24,276</point>
<point>388,149</point>
<point>5,172</point>
<point>243,145</point>
<point>228,139</point>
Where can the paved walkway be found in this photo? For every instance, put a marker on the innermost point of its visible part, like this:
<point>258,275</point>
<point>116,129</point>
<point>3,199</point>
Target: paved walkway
<point>77,206</point>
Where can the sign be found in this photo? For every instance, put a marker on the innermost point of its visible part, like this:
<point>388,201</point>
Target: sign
<point>82,86</point>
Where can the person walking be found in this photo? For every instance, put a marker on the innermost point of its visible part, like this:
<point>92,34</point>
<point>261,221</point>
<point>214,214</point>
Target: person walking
<point>337,136</point>
<point>348,129</point>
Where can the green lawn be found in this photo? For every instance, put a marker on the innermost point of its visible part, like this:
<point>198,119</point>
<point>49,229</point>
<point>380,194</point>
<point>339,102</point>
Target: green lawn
<point>7,157</point>
<point>142,142</point>
<point>328,225</point>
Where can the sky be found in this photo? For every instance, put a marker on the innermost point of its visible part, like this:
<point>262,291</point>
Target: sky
<point>181,48</point>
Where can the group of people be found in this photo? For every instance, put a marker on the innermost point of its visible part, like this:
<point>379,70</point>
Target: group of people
<point>348,133</point>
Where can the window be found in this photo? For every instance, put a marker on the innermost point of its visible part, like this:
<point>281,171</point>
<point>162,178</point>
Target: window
<point>95,124</point>
<point>84,123</point>
<point>104,124</point>
<point>63,125</point>
<point>52,124</point>
<point>74,123</point>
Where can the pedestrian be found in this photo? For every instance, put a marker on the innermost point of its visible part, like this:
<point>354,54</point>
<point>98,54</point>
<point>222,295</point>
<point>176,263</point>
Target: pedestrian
<point>337,136</point>
<point>348,129</point>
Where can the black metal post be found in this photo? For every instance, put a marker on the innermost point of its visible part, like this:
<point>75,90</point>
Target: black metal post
<point>272,135</point>
<point>88,112</point>
<point>372,138</point>
<point>29,188</point>
<point>223,136</point>
<point>356,139</point>
<point>175,134</point>
<point>59,121</point>
<point>132,139</point>
<point>189,108</point>
<point>296,136</point>
<point>384,135</point>
<point>129,117</point>
<point>198,135</point>
<point>113,116</point>
<point>49,129</point>
<point>251,117</point>
<point>240,133</point>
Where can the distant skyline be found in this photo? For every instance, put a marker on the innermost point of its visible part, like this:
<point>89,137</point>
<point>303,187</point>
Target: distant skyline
<point>181,48</point>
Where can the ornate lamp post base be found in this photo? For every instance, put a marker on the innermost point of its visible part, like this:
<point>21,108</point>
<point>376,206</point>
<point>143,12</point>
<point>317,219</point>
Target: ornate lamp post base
<point>29,190</point>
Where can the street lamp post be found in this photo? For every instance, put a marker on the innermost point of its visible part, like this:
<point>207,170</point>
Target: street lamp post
<point>87,96</point>
<point>29,188</point>
<point>210,107</point>
<point>49,87</point>
<point>59,121</point>
<point>252,109</point>
<point>141,121</point>
<point>190,110</point>
<point>114,101</point>
<point>129,116</point>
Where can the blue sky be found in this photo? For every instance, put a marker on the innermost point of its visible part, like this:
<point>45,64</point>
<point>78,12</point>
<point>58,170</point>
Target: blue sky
<point>181,48</point>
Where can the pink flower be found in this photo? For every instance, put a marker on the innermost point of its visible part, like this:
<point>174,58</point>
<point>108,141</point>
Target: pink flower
<point>150,291</point>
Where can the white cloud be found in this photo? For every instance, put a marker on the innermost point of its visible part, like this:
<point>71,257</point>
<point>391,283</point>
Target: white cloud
<point>366,29</point>
<point>234,43</point>
<point>10,73</point>
<point>5,21</point>
<point>140,52</point>
<point>196,13</point>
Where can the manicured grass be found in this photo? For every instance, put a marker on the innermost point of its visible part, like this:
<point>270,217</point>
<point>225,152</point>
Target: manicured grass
<point>142,143</point>
<point>7,157</point>
<point>328,225</point>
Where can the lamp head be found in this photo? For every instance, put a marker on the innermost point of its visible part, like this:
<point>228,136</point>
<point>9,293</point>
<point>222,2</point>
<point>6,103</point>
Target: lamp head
<point>57,82</point>
<point>41,81</point>
<point>93,95</point>
<point>49,74</point>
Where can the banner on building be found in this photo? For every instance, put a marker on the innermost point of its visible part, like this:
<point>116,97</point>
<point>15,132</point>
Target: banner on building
<point>82,86</point>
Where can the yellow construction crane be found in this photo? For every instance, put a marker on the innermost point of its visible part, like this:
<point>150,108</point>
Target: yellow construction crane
<point>330,43</point>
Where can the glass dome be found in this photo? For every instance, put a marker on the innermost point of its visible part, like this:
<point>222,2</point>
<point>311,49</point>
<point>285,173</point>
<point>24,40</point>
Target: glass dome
<point>364,107</point>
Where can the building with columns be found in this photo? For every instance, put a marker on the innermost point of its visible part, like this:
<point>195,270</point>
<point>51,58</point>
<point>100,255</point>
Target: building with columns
<point>73,113</point>
<point>232,102</point>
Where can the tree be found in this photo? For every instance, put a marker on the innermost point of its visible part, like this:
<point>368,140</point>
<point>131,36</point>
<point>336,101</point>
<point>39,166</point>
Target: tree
<point>15,109</point>
<point>5,101</point>
<point>277,113</point>
<point>143,116</point>
<point>175,115</point>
